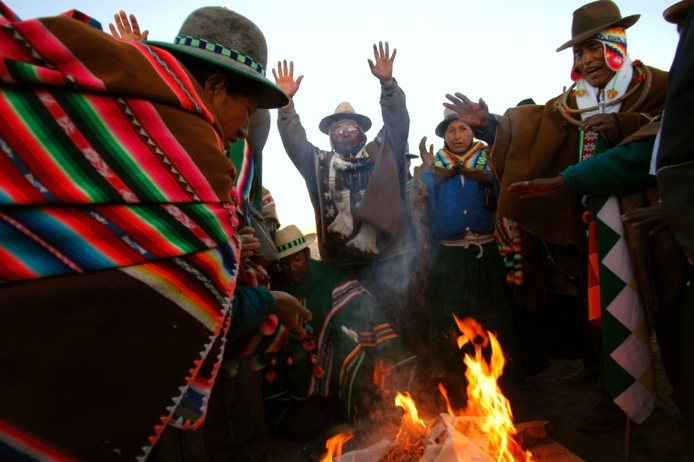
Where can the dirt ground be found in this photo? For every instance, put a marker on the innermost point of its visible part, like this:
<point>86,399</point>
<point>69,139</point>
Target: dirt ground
<point>663,437</point>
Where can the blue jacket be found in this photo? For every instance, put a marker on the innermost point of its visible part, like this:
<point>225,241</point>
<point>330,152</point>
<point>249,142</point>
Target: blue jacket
<point>456,206</point>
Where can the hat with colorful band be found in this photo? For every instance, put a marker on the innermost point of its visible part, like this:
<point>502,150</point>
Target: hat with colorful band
<point>289,240</point>
<point>232,42</point>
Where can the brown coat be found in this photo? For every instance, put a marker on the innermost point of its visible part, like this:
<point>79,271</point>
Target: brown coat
<point>535,141</point>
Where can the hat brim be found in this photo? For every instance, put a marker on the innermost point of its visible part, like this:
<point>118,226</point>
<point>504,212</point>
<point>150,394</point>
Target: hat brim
<point>411,156</point>
<point>362,120</point>
<point>626,23</point>
<point>271,97</point>
<point>677,13</point>
<point>443,126</point>
<point>292,250</point>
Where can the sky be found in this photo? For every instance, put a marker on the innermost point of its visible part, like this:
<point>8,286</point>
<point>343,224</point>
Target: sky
<point>499,50</point>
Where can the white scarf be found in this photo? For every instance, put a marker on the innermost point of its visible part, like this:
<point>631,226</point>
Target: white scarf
<point>595,96</point>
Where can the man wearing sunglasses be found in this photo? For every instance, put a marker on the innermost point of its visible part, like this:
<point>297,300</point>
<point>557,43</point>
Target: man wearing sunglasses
<point>357,187</point>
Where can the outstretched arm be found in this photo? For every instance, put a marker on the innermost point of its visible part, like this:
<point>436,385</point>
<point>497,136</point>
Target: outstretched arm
<point>538,188</point>
<point>382,65</point>
<point>127,29</point>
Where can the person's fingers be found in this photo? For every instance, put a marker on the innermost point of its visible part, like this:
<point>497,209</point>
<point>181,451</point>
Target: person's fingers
<point>123,18</point>
<point>483,105</point>
<point>463,98</point>
<point>663,226</point>
<point>135,25</point>
<point>457,101</point>
<point>119,23</point>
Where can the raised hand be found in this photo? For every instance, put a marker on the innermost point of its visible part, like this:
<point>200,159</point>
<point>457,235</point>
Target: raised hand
<point>426,156</point>
<point>383,67</point>
<point>284,78</point>
<point>127,29</point>
<point>475,115</point>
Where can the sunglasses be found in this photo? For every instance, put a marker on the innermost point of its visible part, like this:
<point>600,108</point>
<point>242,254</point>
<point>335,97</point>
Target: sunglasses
<point>344,129</point>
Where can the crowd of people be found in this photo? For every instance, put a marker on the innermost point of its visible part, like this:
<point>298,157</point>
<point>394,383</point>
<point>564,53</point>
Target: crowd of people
<point>156,305</point>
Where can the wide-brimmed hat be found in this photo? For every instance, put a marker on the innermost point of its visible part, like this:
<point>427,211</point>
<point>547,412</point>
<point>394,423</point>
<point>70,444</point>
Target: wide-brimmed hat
<point>449,115</point>
<point>344,111</point>
<point>677,13</point>
<point>595,17</point>
<point>231,41</point>
<point>289,240</point>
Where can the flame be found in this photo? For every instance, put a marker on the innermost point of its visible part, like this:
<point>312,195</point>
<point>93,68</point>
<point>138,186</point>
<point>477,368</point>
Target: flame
<point>485,398</point>
<point>334,446</point>
<point>486,406</point>
<point>406,402</point>
<point>444,393</point>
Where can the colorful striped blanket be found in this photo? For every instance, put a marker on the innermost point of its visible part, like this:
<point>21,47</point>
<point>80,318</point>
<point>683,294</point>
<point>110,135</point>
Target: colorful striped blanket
<point>348,335</point>
<point>118,258</point>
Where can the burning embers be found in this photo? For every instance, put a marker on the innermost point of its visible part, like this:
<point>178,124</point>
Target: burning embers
<point>483,431</point>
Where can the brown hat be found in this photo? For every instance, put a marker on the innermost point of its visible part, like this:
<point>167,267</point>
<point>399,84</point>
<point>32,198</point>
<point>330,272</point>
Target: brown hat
<point>449,115</point>
<point>289,240</point>
<point>344,111</point>
<point>595,17</point>
<point>231,41</point>
<point>677,13</point>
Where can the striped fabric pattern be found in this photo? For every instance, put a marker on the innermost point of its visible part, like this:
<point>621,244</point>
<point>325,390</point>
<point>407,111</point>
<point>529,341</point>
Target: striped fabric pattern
<point>108,172</point>
<point>68,149</point>
<point>341,296</point>
<point>475,157</point>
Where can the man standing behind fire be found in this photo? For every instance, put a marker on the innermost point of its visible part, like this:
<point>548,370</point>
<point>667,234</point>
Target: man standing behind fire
<point>350,184</point>
<point>612,97</point>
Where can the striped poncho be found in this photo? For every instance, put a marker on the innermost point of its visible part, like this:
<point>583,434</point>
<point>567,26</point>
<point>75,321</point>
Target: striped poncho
<point>117,256</point>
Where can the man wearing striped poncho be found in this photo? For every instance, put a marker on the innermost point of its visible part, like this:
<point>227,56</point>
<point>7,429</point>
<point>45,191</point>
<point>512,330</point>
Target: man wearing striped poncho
<point>118,247</point>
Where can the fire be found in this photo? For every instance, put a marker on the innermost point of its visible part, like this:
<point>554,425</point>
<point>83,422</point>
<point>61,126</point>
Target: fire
<point>485,399</point>
<point>407,403</point>
<point>334,446</point>
<point>483,431</point>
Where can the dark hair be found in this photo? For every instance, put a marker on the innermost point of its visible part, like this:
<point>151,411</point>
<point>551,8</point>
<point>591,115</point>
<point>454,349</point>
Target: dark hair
<point>236,84</point>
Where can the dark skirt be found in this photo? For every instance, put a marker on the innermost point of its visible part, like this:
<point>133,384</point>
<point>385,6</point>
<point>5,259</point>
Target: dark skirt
<point>460,283</point>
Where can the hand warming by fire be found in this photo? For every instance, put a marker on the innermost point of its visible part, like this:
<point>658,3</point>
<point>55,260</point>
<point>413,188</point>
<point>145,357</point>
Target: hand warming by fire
<point>483,431</point>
